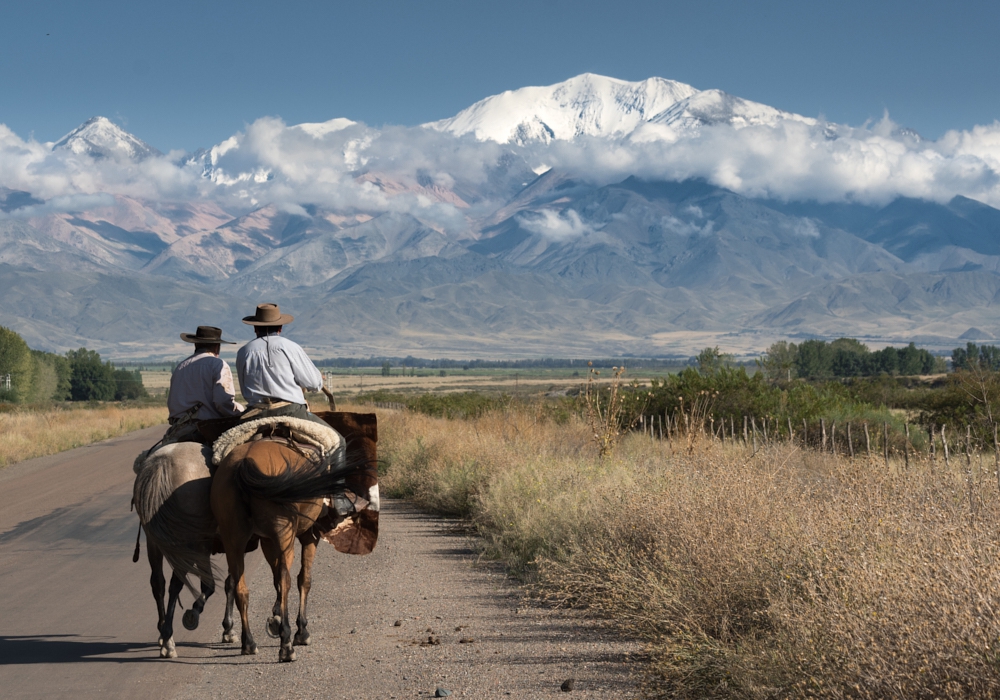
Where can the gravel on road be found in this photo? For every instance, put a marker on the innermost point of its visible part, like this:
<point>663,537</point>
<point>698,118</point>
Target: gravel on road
<point>416,615</point>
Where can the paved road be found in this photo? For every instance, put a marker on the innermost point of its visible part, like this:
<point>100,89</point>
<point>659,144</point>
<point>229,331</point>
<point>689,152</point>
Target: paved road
<point>77,617</point>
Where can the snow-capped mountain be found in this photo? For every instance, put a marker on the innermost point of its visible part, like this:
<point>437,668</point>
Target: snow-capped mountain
<point>594,105</point>
<point>591,105</point>
<point>715,107</point>
<point>592,216</point>
<point>99,137</point>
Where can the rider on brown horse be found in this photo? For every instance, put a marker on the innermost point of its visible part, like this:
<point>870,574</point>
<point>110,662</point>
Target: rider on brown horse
<point>274,370</point>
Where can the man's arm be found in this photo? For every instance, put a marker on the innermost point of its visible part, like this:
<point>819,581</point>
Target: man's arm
<point>224,394</point>
<point>241,369</point>
<point>305,372</point>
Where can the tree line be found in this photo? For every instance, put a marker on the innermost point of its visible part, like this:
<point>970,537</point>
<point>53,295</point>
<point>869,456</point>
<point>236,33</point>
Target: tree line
<point>35,376</point>
<point>845,357</point>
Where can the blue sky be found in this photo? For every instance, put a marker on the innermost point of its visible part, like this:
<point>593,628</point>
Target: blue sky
<point>185,74</point>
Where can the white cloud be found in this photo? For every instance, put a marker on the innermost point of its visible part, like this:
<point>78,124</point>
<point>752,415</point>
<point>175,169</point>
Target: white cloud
<point>555,226</point>
<point>349,166</point>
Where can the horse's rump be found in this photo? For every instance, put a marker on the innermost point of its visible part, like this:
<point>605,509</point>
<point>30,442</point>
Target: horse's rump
<point>351,522</point>
<point>346,477</point>
<point>171,496</point>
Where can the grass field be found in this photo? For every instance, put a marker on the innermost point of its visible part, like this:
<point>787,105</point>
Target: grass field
<point>347,383</point>
<point>776,574</point>
<point>29,433</point>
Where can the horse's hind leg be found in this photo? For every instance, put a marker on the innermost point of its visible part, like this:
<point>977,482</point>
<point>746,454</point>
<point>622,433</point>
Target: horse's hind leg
<point>309,542</point>
<point>158,583</point>
<point>227,619</point>
<point>237,568</point>
<point>273,556</point>
<point>192,616</point>
<point>167,650</point>
<point>283,536</point>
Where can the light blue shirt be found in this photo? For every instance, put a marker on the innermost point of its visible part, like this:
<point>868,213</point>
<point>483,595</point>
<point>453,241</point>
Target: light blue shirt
<point>275,367</point>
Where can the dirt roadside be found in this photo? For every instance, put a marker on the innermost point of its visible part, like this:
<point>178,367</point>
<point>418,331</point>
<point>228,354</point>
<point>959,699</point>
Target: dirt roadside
<point>423,575</point>
<point>77,619</point>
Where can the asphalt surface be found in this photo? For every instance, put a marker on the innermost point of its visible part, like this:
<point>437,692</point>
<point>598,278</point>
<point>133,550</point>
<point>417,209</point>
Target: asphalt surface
<point>77,617</point>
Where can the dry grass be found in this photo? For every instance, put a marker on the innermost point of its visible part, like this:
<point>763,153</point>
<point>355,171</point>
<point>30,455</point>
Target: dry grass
<point>25,434</point>
<point>783,574</point>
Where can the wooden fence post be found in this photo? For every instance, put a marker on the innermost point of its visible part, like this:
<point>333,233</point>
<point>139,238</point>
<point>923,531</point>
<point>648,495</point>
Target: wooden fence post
<point>805,433</point>
<point>944,445</point>
<point>833,438</point>
<point>822,439</point>
<point>868,442</point>
<point>996,454</point>
<point>764,420</point>
<point>746,438</point>
<point>753,424</point>
<point>906,447</point>
<point>885,442</point>
<point>850,442</point>
<point>933,449</point>
<point>968,446</point>
<point>791,436</point>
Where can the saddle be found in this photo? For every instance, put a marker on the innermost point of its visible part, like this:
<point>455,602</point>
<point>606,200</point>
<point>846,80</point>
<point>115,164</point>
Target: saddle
<point>349,520</point>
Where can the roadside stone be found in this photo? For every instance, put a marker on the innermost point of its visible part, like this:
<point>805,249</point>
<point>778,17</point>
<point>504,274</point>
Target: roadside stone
<point>397,623</point>
<point>442,693</point>
<point>568,685</point>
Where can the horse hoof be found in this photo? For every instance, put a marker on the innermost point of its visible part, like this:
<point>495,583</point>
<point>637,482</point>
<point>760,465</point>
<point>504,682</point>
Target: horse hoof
<point>190,620</point>
<point>168,653</point>
<point>274,627</point>
<point>228,637</point>
<point>302,639</point>
<point>286,654</point>
<point>250,650</point>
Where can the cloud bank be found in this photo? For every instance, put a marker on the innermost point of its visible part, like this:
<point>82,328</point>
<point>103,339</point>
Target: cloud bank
<point>351,167</point>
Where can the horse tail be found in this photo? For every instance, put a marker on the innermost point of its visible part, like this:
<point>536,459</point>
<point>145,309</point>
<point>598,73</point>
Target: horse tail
<point>301,480</point>
<point>184,536</point>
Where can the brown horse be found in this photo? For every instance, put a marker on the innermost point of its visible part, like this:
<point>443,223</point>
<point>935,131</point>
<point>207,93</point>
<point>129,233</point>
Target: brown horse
<point>269,489</point>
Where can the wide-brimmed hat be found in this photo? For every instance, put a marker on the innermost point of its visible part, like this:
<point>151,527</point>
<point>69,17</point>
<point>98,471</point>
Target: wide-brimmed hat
<point>268,315</point>
<point>208,335</point>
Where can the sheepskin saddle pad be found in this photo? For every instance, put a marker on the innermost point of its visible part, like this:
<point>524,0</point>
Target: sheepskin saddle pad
<point>327,440</point>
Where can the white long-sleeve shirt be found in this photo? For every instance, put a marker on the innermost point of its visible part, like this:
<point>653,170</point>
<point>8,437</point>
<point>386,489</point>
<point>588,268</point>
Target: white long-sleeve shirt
<point>207,379</point>
<point>277,368</point>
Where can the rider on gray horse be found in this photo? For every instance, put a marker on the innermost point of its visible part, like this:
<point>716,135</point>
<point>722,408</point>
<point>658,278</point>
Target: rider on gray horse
<point>201,387</point>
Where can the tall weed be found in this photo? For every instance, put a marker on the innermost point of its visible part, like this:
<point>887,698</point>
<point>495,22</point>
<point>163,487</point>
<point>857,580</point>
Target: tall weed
<point>786,573</point>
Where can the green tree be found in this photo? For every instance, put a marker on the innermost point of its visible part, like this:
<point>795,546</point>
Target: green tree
<point>386,369</point>
<point>710,360</point>
<point>128,385</point>
<point>910,360</point>
<point>814,360</point>
<point>90,379</point>
<point>778,361</point>
<point>15,361</point>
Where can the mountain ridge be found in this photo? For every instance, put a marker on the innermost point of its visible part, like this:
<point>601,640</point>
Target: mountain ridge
<point>397,241</point>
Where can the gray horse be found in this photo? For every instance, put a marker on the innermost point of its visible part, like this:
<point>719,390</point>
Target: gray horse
<point>172,497</point>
